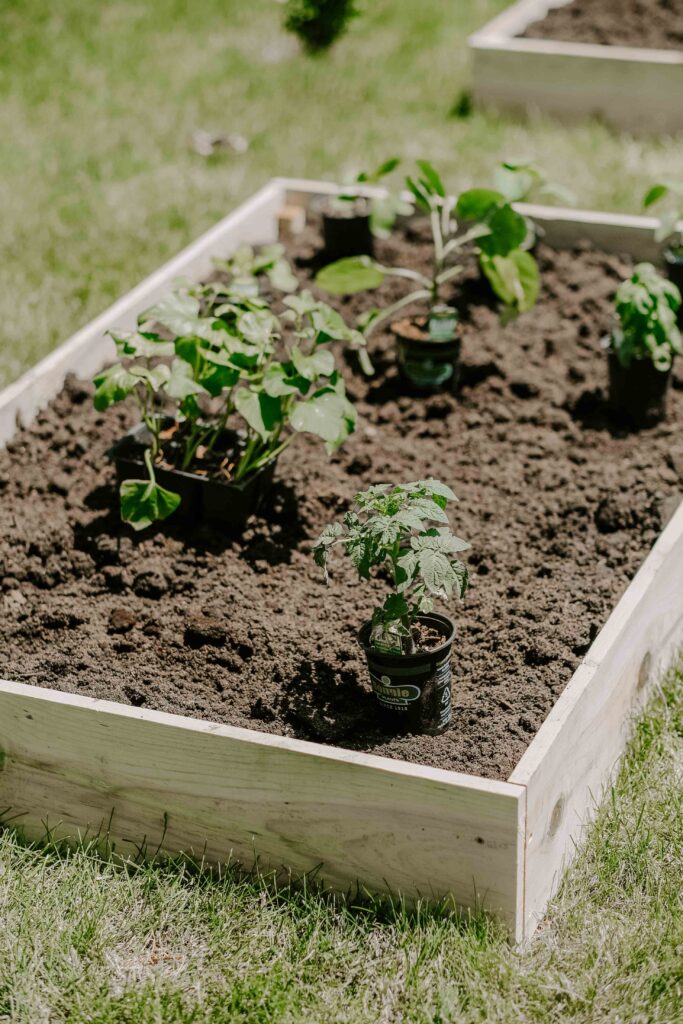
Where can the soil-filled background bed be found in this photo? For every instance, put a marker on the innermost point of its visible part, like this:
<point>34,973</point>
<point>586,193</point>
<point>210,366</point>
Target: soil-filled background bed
<point>654,24</point>
<point>560,506</point>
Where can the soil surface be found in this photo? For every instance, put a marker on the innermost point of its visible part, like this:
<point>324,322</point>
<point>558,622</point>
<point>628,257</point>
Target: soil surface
<point>560,504</point>
<point>653,24</point>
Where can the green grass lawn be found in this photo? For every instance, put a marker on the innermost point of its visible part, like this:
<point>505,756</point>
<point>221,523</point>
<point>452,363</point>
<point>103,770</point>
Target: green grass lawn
<point>98,184</point>
<point>82,941</point>
<point>98,101</point>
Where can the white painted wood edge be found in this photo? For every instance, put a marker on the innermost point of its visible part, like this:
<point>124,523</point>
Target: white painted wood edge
<point>608,635</point>
<point>371,761</point>
<point>504,33</point>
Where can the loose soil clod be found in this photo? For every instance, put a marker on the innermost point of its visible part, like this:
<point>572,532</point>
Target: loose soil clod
<point>562,507</point>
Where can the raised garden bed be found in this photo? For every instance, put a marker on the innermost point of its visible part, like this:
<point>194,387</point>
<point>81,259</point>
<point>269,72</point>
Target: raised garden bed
<point>620,61</point>
<point>488,811</point>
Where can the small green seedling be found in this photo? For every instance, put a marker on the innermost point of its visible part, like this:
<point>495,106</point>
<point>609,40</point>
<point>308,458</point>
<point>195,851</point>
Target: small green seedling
<point>383,209</point>
<point>248,267</point>
<point>670,195</point>
<point>402,532</point>
<point>522,182</point>
<point>238,394</point>
<point>491,225</point>
<point>646,305</point>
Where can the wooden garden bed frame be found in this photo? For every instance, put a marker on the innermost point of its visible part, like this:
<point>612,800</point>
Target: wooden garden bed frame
<point>143,778</point>
<point>634,88</point>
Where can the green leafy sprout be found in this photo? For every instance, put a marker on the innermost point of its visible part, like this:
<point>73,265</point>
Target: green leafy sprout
<point>646,305</point>
<point>401,531</point>
<point>239,382</point>
<point>491,225</point>
<point>668,230</point>
<point>384,207</point>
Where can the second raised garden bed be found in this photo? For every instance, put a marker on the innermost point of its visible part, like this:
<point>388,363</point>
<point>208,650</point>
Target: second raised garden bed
<point>633,86</point>
<point>241,637</point>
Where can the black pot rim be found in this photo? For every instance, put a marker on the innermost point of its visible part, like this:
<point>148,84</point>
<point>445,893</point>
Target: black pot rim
<point>118,451</point>
<point>443,622</point>
<point>428,345</point>
<point>673,254</point>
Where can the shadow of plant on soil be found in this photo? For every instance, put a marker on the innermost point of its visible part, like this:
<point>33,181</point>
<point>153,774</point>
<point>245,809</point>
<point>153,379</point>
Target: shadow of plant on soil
<point>326,702</point>
<point>271,535</point>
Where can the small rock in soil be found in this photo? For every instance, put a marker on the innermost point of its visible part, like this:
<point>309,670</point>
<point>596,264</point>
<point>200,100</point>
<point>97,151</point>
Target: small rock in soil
<point>121,620</point>
<point>202,630</point>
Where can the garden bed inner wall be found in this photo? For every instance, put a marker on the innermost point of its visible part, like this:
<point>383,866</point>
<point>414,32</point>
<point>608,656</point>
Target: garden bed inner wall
<point>635,89</point>
<point>142,778</point>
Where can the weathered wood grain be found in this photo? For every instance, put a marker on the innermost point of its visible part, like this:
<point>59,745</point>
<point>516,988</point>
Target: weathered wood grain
<point>572,758</point>
<point>81,765</point>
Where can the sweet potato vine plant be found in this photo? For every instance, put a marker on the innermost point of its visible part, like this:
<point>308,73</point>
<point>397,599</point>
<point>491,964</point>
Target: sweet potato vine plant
<point>239,382</point>
<point>480,218</point>
<point>402,532</point>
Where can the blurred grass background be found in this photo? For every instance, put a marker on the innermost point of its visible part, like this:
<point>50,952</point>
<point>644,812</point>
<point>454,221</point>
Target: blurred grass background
<point>99,181</point>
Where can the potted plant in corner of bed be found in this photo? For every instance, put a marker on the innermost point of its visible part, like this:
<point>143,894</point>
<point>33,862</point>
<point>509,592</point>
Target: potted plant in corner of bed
<point>429,345</point>
<point>401,532</point>
<point>351,219</point>
<point>641,349</point>
<point>668,231</point>
<point>221,396</point>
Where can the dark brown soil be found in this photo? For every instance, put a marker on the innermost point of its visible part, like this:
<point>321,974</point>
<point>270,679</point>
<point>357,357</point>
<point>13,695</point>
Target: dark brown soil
<point>561,507</point>
<point>653,24</point>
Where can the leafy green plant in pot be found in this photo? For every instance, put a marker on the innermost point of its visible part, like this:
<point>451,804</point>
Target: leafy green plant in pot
<point>479,220</point>
<point>667,231</point>
<point>351,219</point>
<point>221,397</point>
<point>643,346</point>
<point>401,534</point>
<point>522,182</point>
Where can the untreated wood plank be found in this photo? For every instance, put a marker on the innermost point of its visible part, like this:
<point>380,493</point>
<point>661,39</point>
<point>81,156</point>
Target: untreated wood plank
<point>573,756</point>
<point>81,765</point>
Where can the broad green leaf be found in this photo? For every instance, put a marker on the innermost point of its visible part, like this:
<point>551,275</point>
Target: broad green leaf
<point>477,204</point>
<point>429,509</point>
<point>514,278</point>
<point>327,415</point>
<point>654,194</point>
<point>436,571</point>
<point>508,229</point>
<point>433,486</point>
<point>144,502</point>
<point>319,364</point>
<point>446,542</point>
<point>350,275</point>
<point>181,383</point>
<point>113,385</point>
<point>280,379</point>
<point>261,411</point>
<point>303,303</point>
<point>179,313</point>
<point>142,345</point>
<point>281,277</point>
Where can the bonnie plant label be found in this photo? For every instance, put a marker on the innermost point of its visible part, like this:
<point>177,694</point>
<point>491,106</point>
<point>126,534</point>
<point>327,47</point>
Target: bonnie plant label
<point>394,695</point>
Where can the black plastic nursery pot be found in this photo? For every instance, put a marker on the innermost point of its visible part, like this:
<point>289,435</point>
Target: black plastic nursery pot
<point>638,392</point>
<point>674,268</point>
<point>347,234</point>
<point>203,499</point>
<point>413,691</point>
<point>429,351</point>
